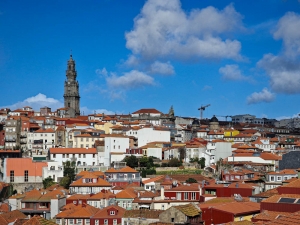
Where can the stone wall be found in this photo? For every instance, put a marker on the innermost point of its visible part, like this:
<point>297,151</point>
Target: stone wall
<point>20,187</point>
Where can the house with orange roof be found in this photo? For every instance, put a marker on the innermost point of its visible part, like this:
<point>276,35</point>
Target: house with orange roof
<point>275,179</point>
<point>110,215</point>
<point>82,156</point>
<point>80,214</point>
<point>256,157</point>
<point>125,198</point>
<point>265,144</point>
<point>88,184</point>
<point>281,203</point>
<point>231,189</point>
<point>44,202</point>
<point>102,199</point>
<point>224,212</point>
<point>12,217</point>
<point>123,176</point>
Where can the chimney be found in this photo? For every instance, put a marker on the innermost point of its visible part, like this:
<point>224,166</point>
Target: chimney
<point>162,192</point>
<point>200,189</point>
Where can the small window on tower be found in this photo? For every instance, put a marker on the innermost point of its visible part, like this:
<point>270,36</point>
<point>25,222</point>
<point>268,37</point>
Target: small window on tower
<point>69,105</point>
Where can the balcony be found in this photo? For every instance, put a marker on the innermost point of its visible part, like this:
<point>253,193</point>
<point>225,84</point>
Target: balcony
<point>22,141</point>
<point>10,139</point>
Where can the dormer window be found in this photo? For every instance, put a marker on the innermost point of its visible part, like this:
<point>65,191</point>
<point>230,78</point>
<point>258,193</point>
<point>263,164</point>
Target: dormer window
<point>112,213</point>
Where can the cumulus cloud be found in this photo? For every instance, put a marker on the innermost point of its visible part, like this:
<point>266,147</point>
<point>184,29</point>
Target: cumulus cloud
<point>164,29</point>
<point>102,72</point>
<point>264,96</point>
<point>162,68</point>
<point>288,30</point>
<point>132,79</point>
<point>284,69</point>
<point>284,73</point>
<point>232,72</point>
<point>36,102</point>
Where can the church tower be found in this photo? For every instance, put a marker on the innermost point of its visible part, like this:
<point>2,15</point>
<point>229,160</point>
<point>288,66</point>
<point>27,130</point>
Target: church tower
<point>71,95</point>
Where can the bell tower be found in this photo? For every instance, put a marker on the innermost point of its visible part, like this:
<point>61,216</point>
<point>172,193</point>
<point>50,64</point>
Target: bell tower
<point>71,93</point>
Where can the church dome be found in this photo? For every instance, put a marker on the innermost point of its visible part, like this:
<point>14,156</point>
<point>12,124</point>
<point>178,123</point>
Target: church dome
<point>214,119</point>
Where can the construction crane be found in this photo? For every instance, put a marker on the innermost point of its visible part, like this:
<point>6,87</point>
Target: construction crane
<point>202,108</point>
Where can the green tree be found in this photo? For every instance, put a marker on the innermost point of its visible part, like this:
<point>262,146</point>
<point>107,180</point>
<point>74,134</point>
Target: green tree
<point>131,161</point>
<point>47,182</point>
<point>182,153</point>
<point>174,162</point>
<point>191,180</point>
<point>69,174</point>
<point>202,162</point>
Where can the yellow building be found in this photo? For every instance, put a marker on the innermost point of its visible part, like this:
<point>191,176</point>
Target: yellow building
<point>104,126</point>
<point>229,134</point>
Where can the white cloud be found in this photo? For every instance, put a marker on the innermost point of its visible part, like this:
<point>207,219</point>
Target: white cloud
<point>284,73</point>
<point>232,72</point>
<point>36,102</point>
<point>288,30</point>
<point>263,96</point>
<point>162,68</point>
<point>164,29</point>
<point>132,79</point>
<point>284,69</point>
<point>102,72</point>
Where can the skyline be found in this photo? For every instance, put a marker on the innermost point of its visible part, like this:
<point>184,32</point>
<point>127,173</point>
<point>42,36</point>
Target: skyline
<point>241,59</point>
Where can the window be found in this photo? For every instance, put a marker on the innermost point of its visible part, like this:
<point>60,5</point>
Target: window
<point>79,221</point>
<point>114,222</point>
<point>125,176</point>
<point>79,156</point>
<point>12,176</point>
<point>124,205</point>
<point>186,195</point>
<point>54,155</point>
<point>67,155</point>
<point>26,176</point>
<point>271,178</point>
<point>96,222</point>
<point>278,178</point>
<point>94,155</point>
<point>58,221</point>
<point>83,155</point>
<point>193,195</point>
<point>87,221</point>
<point>71,221</point>
<point>105,222</point>
<point>64,155</point>
<point>112,213</point>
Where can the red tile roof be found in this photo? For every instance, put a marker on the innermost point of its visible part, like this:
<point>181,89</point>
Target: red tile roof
<point>73,151</point>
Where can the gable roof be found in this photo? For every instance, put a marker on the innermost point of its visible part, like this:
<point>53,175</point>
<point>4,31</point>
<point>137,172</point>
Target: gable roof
<point>188,210</point>
<point>103,213</point>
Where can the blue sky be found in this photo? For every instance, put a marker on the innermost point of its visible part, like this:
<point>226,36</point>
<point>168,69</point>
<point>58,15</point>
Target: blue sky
<point>239,56</point>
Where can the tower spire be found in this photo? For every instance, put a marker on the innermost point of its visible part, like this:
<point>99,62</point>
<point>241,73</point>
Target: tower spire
<point>71,95</point>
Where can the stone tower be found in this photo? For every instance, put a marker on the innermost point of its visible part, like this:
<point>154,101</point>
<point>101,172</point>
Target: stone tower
<point>71,95</point>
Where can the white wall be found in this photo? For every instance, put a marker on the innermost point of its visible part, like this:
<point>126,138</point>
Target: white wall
<point>114,144</point>
<point>148,134</point>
